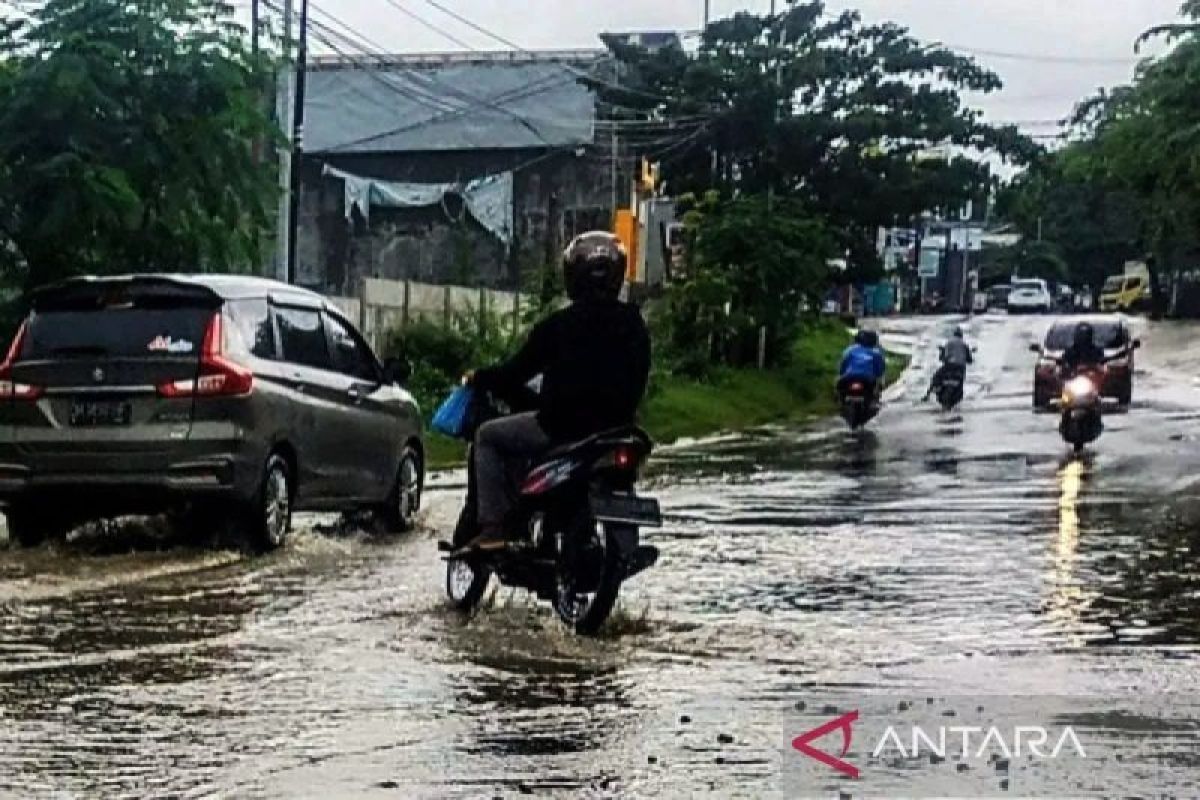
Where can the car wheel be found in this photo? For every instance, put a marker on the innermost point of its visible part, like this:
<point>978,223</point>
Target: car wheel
<point>266,521</point>
<point>399,512</point>
<point>28,527</point>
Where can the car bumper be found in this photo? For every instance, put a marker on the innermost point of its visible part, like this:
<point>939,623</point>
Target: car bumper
<point>131,481</point>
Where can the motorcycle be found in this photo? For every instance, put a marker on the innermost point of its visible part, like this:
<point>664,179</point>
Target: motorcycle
<point>950,390</point>
<point>858,403</point>
<point>575,535</point>
<point>1082,419</point>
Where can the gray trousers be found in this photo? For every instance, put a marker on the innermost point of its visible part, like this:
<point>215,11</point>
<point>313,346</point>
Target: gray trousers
<point>497,444</point>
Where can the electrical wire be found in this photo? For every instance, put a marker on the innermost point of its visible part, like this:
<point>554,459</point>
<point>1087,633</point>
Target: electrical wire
<point>430,25</point>
<point>513,45</point>
<point>1046,58</point>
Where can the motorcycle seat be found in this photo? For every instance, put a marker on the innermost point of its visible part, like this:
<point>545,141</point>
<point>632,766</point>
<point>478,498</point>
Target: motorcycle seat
<point>626,434</point>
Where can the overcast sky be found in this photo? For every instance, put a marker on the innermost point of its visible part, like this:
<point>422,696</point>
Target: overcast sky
<point>1050,53</point>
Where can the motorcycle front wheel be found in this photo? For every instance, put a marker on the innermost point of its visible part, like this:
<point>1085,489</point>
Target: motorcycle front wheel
<point>465,581</point>
<point>465,584</point>
<point>589,579</point>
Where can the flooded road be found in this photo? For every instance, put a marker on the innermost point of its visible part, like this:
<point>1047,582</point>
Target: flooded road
<point>959,553</point>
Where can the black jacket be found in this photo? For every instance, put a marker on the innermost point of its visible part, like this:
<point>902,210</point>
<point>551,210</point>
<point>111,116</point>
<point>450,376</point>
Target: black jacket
<point>594,359</point>
<point>1089,354</point>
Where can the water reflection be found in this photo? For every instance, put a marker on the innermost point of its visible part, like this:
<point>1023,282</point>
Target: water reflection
<point>1066,594</point>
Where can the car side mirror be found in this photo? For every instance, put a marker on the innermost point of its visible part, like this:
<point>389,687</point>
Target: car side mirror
<point>397,371</point>
<point>1035,348</point>
<point>1136,344</point>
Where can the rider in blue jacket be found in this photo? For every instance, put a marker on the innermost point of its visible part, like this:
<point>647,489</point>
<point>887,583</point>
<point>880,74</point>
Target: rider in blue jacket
<point>863,361</point>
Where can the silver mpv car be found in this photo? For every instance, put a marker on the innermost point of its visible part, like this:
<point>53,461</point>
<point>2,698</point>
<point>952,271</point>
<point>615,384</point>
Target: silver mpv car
<point>226,401</point>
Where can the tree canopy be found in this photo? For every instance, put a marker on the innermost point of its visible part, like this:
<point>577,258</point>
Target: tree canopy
<point>127,141</point>
<point>1127,185</point>
<point>806,131</point>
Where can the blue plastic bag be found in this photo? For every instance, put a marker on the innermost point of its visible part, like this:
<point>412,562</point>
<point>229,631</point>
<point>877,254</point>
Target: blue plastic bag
<point>451,416</point>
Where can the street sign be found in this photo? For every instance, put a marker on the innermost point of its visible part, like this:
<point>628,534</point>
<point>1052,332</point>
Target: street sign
<point>930,264</point>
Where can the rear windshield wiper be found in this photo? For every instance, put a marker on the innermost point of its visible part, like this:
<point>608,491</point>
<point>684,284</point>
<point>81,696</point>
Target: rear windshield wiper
<point>80,350</point>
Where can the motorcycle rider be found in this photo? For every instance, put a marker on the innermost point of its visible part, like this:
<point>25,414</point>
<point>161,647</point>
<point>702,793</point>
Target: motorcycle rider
<point>594,361</point>
<point>862,361</point>
<point>1083,352</point>
<point>956,356</point>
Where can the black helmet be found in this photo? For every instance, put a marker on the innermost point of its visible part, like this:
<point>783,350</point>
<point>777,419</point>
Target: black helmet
<point>1083,334</point>
<point>867,338</point>
<point>958,333</point>
<point>594,266</point>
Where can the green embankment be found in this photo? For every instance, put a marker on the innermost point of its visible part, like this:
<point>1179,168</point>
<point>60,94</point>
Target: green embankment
<point>733,399</point>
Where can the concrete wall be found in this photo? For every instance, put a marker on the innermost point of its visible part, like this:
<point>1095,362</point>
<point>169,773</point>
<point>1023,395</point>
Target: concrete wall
<point>556,196</point>
<point>390,304</point>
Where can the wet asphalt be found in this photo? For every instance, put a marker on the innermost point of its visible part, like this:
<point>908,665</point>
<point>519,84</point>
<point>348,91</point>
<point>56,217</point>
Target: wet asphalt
<point>959,553</point>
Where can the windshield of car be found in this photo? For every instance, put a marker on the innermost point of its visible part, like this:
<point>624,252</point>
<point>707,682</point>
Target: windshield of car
<point>1108,335</point>
<point>1113,284</point>
<point>1028,286</point>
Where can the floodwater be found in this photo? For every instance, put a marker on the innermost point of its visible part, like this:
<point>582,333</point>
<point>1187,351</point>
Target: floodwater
<point>958,553</point>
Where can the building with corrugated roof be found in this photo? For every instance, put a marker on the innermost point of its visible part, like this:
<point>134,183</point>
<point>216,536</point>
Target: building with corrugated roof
<point>461,168</point>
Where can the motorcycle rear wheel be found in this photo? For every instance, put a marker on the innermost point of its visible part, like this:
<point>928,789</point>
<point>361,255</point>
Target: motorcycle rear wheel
<point>585,612</point>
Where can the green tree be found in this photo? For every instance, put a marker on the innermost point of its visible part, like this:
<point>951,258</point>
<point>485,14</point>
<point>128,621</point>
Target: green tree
<point>1076,227</point>
<point>751,270</point>
<point>127,141</point>
<point>829,111</point>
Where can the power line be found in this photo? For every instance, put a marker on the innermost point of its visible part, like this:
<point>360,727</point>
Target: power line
<point>431,26</point>
<point>325,34</point>
<point>511,44</point>
<point>1048,58</point>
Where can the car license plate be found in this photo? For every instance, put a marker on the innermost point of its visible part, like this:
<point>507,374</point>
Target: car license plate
<point>627,509</point>
<point>99,413</point>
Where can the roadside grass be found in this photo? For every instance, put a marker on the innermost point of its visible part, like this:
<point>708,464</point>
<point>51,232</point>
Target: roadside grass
<point>442,452</point>
<point>730,400</point>
<point>738,399</point>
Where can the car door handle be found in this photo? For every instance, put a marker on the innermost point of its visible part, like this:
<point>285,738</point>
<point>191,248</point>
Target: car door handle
<point>355,394</point>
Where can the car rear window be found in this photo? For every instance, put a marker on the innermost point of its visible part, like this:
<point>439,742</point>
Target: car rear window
<point>1028,286</point>
<point>126,332</point>
<point>1107,335</point>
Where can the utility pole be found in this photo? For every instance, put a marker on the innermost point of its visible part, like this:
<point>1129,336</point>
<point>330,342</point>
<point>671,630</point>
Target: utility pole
<point>255,22</point>
<point>298,143</point>
<point>283,116</point>
<point>707,11</point>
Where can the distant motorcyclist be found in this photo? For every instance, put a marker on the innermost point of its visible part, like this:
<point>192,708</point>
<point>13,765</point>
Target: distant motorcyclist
<point>956,356</point>
<point>863,361</point>
<point>594,361</point>
<point>1083,352</point>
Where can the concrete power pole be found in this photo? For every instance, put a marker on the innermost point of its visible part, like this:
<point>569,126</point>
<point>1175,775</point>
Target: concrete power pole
<point>285,96</point>
<point>297,143</point>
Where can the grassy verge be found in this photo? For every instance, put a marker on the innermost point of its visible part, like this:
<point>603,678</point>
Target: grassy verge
<point>731,400</point>
<point>734,400</point>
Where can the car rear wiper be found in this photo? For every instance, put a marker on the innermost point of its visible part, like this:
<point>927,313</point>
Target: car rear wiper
<point>80,350</point>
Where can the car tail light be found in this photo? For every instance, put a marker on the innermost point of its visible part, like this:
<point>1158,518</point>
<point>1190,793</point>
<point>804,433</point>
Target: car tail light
<point>217,376</point>
<point>9,389</point>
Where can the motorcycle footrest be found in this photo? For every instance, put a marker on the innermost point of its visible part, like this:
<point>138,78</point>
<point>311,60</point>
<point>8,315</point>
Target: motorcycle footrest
<point>641,560</point>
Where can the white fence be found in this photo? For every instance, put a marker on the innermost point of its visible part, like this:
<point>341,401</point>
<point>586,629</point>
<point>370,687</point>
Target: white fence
<point>385,304</point>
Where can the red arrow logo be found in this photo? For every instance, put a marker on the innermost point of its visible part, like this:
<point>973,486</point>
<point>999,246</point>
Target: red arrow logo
<point>802,743</point>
